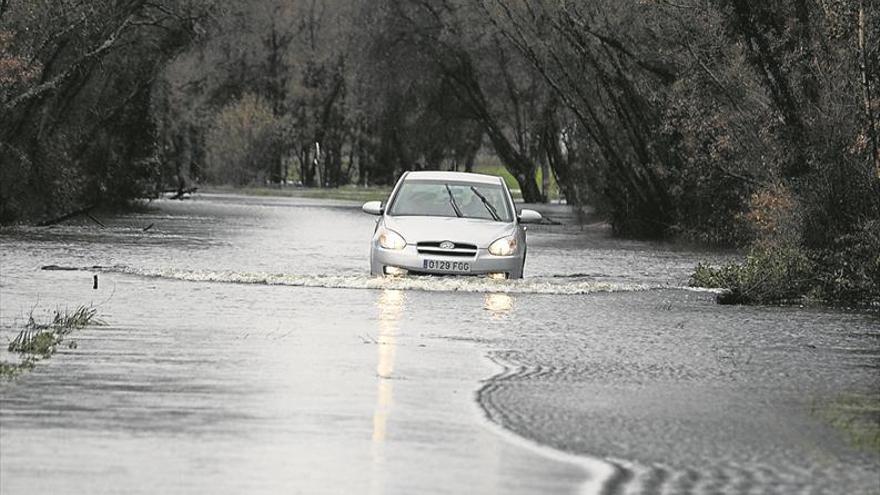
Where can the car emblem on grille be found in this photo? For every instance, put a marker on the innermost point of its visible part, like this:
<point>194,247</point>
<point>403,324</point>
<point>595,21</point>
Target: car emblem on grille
<point>447,245</point>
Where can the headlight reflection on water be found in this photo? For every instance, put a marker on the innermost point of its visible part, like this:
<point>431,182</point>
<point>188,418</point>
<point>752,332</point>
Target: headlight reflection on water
<point>391,304</point>
<point>499,305</point>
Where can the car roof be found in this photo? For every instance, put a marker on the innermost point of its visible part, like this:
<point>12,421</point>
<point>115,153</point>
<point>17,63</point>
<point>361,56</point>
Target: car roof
<point>453,177</point>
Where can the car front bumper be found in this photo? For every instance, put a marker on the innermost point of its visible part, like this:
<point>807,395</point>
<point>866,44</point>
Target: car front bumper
<point>411,260</point>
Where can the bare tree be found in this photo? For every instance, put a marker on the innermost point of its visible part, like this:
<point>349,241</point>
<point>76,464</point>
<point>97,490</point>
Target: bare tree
<point>866,87</point>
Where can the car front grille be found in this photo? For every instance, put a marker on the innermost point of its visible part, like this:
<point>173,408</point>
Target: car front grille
<point>458,250</point>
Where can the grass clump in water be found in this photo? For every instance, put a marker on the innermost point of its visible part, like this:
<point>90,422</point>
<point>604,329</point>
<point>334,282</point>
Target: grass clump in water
<point>40,340</point>
<point>11,370</point>
<point>858,417</point>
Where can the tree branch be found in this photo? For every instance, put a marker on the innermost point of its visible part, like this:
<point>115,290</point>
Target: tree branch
<point>866,87</point>
<point>55,82</point>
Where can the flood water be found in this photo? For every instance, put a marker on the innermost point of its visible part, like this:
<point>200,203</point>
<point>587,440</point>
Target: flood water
<point>246,350</point>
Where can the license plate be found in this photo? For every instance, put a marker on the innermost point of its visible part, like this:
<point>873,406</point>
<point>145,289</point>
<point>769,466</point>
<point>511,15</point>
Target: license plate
<point>446,266</point>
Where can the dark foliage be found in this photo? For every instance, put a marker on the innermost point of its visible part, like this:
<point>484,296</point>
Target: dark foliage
<point>75,83</point>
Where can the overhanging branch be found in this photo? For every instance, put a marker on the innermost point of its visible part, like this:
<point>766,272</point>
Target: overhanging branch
<point>55,82</point>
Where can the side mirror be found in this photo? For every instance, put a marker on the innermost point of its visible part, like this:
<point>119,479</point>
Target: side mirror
<point>529,216</point>
<point>373,208</point>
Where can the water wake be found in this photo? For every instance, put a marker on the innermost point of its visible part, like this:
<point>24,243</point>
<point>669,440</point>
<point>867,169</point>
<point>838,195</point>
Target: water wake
<point>533,285</point>
<point>608,475</point>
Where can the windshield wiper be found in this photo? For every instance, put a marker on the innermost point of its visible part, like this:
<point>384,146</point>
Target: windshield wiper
<point>452,202</point>
<point>487,204</point>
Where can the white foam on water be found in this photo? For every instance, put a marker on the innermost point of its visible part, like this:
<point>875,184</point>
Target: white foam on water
<point>707,290</point>
<point>536,285</point>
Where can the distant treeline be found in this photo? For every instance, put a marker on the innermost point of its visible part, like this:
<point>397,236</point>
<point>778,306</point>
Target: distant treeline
<point>723,121</point>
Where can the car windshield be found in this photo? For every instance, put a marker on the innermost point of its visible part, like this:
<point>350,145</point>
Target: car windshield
<point>451,199</point>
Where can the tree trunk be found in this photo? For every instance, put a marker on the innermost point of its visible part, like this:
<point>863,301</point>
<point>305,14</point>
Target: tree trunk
<point>306,167</point>
<point>528,186</point>
<point>761,56</point>
<point>559,165</point>
<point>866,87</point>
<point>515,162</point>
<point>545,181</point>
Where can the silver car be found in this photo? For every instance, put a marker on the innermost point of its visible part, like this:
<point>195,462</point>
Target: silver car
<point>449,223</point>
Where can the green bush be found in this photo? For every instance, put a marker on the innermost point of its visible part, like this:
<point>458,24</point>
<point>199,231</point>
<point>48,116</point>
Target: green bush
<point>846,274</point>
<point>768,276</point>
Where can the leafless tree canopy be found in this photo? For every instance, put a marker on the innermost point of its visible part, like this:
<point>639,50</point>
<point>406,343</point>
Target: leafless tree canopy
<point>670,117</point>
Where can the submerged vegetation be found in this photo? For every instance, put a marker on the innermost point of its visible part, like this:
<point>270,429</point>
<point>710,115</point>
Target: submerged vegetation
<point>858,417</point>
<point>38,341</point>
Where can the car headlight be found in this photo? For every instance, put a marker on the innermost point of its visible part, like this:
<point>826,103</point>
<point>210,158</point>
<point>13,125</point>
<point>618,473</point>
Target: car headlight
<point>390,239</point>
<point>505,246</point>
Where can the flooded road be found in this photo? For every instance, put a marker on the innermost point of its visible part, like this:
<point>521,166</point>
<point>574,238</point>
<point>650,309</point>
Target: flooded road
<point>246,350</point>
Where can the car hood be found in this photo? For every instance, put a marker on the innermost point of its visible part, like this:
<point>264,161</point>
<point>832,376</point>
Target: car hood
<point>438,229</point>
